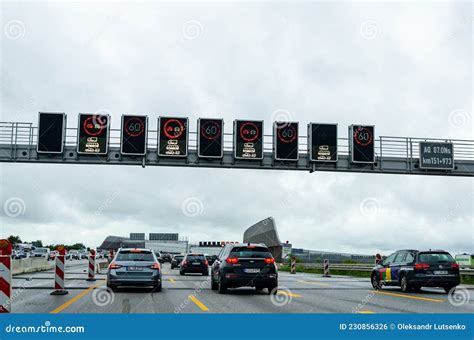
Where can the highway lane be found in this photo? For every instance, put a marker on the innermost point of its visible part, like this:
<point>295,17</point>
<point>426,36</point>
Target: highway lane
<point>299,293</point>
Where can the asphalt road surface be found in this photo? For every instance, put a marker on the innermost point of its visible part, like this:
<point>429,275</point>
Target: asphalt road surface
<point>298,293</point>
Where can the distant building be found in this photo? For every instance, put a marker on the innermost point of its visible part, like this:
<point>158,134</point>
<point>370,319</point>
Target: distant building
<point>265,232</point>
<point>137,236</point>
<point>163,236</point>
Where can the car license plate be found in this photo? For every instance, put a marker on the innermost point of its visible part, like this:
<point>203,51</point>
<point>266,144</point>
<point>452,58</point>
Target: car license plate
<point>251,270</point>
<point>135,269</point>
<point>196,263</point>
<point>440,272</point>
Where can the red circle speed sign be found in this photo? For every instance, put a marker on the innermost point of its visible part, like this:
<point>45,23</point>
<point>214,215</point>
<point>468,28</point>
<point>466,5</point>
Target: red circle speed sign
<point>173,128</point>
<point>249,132</point>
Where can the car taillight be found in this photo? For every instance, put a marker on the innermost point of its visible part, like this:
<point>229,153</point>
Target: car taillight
<point>185,263</point>
<point>232,260</point>
<point>454,265</point>
<point>155,265</point>
<point>422,266</point>
<point>114,266</point>
<point>206,263</point>
<point>270,260</point>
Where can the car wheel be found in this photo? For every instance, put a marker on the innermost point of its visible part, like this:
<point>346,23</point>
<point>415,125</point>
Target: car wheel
<point>112,287</point>
<point>404,284</point>
<point>222,287</point>
<point>181,272</point>
<point>272,289</point>
<point>448,289</point>
<point>157,288</point>
<point>375,281</point>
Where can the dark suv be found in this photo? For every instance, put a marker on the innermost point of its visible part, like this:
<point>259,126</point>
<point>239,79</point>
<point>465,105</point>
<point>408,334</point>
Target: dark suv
<point>194,263</point>
<point>176,261</point>
<point>413,269</point>
<point>239,265</point>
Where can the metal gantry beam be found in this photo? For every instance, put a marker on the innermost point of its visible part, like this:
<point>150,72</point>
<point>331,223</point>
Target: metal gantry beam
<point>394,155</point>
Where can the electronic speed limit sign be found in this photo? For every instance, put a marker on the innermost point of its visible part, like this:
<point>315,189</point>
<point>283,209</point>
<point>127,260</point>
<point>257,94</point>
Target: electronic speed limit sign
<point>285,139</point>
<point>172,137</point>
<point>210,138</point>
<point>93,134</point>
<point>362,143</point>
<point>248,139</point>
<point>134,134</point>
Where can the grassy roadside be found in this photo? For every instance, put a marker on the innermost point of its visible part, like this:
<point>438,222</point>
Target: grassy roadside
<point>465,279</point>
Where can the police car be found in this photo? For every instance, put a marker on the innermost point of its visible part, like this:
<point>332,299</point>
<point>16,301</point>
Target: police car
<point>412,269</point>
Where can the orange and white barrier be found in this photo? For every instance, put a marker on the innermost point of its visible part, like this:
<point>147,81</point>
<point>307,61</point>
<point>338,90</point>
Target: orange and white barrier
<point>326,268</point>
<point>293,266</point>
<point>91,273</point>
<point>59,288</point>
<point>5,276</point>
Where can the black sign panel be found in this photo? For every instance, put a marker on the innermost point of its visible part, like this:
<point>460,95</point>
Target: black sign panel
<point>93,134</point>
<point>248,139</point>
<point>362,142</point>
<point>285,136</point>
<point>173,137</point>
<point>210,138</point>
<point>322,142</point>
<point>51,128</point>
<point>436,155</point>
<point>134,135</point>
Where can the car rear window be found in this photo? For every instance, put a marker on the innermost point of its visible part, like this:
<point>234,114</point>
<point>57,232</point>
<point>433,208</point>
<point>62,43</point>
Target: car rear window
<point>179,257</point>
<point>435,257</point>
<point>256,252</point>
<point>133,255</point>
<point>196,258</point>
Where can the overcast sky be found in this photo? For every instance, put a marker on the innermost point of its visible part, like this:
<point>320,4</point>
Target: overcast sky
<point>406,68</point>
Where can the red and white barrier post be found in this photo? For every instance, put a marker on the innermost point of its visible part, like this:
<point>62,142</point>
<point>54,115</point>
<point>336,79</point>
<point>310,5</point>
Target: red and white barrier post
<point>293,265</point>
<point>326,268</point>
<point>91,272</point>
<point>5,276</point>
<point>59,272</point>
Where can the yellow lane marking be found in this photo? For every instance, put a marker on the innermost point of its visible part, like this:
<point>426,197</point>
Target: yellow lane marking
<point>313,283</point>
<point>282,292</point>
<point>408,296</point>
<point>365,312</point>
<point>172,280</point>
<point>198,303</point>
<point>74,299</point>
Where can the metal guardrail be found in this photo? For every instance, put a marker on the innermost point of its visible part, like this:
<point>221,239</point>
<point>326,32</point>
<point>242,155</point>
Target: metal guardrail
<point>360,266</point>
